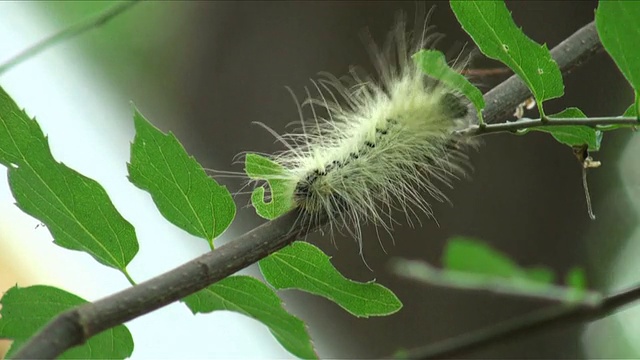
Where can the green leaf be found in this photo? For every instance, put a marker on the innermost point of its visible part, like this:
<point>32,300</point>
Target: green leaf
<point>280,201</point>
<point>180,188</point>
<point>631,111</point>
<point>433,63</point>
<point>540,274</point>
<point>26,310</point>
<point>250,297</point>
<point>577,279</point>
<point>471,264</point>
<point>305,267</point>
<point>619,31</point>
<point>491,27</point>
<point>473,256</point>
<point>571,135</point>
<point>76,209</point>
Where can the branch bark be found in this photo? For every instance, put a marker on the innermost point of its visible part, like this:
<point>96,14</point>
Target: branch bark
<point>76,326</point>
<point>460,347</point>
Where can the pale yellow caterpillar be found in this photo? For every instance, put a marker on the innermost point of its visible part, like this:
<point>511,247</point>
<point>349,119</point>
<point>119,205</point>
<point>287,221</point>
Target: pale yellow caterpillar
<point>375,144</point>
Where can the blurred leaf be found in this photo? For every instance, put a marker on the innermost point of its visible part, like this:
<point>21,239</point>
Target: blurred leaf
<point>25,310</point>
<point>279,202</point>
<point>433,63</point>
<point>534,283</point>
<point>180,188</point>
<point>472,256</point>
<point>305,267</point>
<point>250,297</point>
<point>540,274</point>
<point>577,279</point>
<point>470,264</point>
<point>571,135</point>
<point>619,30</point>
<point>76,209</point>
<point>491,27</point>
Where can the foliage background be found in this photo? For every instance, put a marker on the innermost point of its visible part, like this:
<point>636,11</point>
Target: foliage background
<point>206,70</point>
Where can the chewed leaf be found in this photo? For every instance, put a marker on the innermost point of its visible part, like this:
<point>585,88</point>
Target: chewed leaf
<point>433,63</point>
<point>571,135</point>
<point>305,267</point>
<point>473,256</point>
<point>180,188</point>
<point>250,297</point>
<point>491,27</point>
<point>279,202</point>
<point>25,310</point>
<point>76,210</point>
<point>619,30</point>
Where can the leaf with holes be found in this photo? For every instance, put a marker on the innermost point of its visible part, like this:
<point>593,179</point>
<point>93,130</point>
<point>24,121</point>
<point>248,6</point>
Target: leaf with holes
<point>26,310</point>
<point>279,200</point>
<point>180,188</point>
<point>305,267</point>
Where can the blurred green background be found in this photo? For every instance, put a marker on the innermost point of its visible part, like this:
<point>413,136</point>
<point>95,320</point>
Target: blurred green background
<point>206,70</point>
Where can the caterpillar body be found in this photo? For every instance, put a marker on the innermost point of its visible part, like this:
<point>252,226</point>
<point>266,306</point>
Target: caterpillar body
<point>374,146</point>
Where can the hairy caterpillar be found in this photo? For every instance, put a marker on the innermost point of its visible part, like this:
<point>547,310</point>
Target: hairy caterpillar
<point>373,146</point>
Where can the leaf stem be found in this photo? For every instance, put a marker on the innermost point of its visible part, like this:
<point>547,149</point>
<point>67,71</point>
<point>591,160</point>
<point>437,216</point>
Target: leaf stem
<point>129,278</point>
<point>68,33</point>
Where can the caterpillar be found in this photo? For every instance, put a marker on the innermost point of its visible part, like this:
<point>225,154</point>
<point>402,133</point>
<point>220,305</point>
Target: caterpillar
<point>376,144</point>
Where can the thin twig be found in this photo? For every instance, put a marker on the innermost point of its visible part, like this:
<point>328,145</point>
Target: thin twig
<point>595,122</point>
<point>424,273</point>
<point>526,325</point>
<point>76,326</point>
<point>68,33</point>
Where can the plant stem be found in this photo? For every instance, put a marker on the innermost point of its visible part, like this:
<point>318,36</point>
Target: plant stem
<point>525,325</point>
<point>68,33</point>
<point>522,124</point>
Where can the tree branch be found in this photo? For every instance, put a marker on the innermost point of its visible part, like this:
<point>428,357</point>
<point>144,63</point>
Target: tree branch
<point>526,325</point>
<point>68,33</point>
<point>594,122</point>
<point>75,326</point>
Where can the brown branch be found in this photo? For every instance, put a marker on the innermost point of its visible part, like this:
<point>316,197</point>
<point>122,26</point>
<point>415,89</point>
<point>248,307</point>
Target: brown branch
<point>77,325</point>
<point>461,346</point>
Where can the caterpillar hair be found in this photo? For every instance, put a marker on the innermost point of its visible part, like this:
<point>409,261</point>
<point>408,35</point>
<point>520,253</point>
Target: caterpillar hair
<point>376,144</point>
